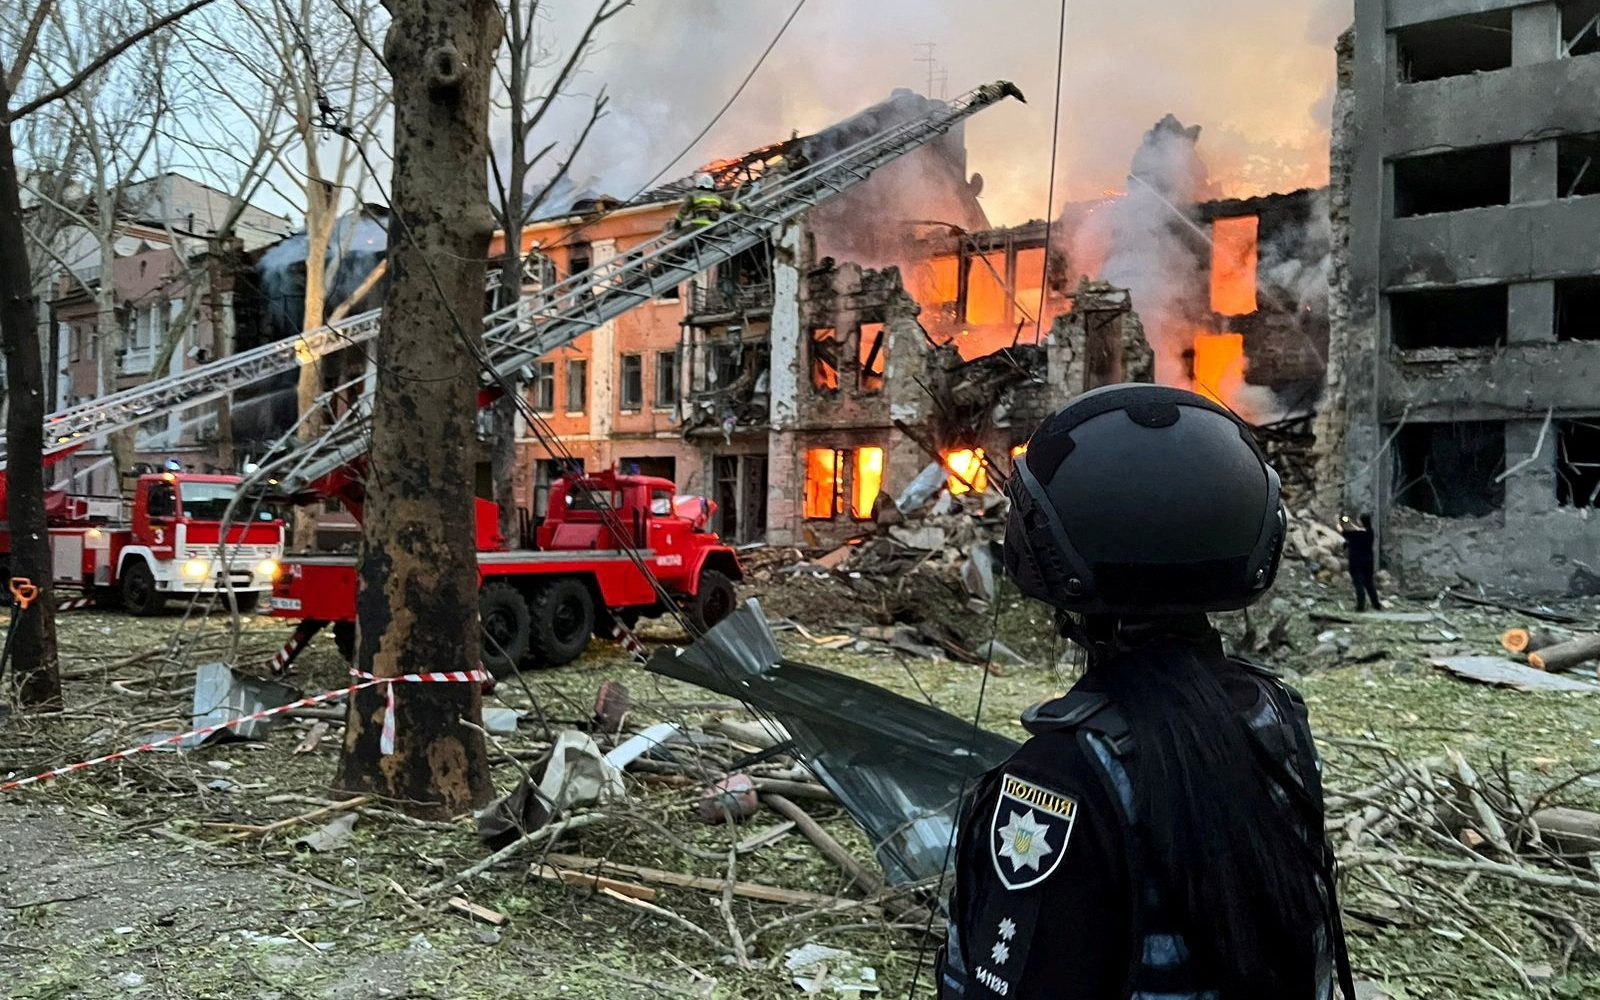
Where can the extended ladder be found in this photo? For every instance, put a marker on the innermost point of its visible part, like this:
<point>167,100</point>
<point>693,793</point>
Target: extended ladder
<point>525,330</point>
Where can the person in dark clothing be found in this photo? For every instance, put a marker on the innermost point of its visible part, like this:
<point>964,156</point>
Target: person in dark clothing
<point>1358,539</point>
<point>1160,833</point>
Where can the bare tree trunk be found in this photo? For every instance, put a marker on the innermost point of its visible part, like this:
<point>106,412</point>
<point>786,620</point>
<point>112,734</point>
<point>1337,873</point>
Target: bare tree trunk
<point>503,414</point>
<point>418,603</point>
<point>113,345</point>
<point>321,204</point>
<point>33,650</point>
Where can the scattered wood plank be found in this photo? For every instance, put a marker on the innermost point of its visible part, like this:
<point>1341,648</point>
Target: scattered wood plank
<point>554,873</point>
<point>466,906</point>
<point>576,865</point>
<point>1502,672</point>
<point>1566,654</point>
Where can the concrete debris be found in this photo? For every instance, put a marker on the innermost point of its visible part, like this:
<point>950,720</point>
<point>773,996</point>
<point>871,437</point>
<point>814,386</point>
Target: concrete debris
<point>819,969</point>
<point>500,721</point>
<point>978,572</point>
<point>928,537</point>
<point>922,488</point>
<point>732,798</point>
<point>330,836</point>
<point>222,694</point>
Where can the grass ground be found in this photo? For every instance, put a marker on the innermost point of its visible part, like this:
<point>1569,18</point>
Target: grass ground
<point>119,881</point>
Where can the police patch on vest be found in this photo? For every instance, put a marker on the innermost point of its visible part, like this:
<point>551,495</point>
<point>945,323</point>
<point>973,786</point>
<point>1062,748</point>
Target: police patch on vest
<point>1029,833</point>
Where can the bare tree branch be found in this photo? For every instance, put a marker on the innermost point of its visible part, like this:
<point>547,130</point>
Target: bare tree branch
<point>29,39</point>
<point>109,54</point>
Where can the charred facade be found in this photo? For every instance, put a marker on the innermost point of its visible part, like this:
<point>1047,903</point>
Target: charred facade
<point>1473,255</point>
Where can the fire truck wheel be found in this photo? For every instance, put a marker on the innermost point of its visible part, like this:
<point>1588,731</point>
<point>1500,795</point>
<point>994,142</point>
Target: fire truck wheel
<point>504,616</point>
<point>563,620</point>
<point>344,640</point>
<point>139,594</point>
<point>713,601</point>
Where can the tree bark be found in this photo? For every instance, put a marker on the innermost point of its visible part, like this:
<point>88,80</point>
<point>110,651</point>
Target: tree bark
<point>417,607</point>
<point>35,673</point>
<point>1566,654</point>
<point>322,200</point>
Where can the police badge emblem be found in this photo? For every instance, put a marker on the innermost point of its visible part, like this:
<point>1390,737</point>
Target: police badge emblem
<point>1029,832</point>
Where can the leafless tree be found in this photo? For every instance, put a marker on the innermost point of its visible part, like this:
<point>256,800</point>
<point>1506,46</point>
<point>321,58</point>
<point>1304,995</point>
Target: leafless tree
<point>532,73</point>
<point>418,597</point>
<point>38,682</point>
<point>333,85</point>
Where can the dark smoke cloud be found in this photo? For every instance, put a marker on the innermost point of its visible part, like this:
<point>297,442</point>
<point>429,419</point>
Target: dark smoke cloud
<point>1257,74</point>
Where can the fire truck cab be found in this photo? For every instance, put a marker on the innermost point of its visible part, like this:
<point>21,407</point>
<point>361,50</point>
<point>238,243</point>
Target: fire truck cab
<point>607,544</point>
<point>166,541</point>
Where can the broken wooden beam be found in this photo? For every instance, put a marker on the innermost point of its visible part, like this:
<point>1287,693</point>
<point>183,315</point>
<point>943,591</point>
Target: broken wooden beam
<point>553,873</point>
<point>465,906</point>
<point>1566,654</point>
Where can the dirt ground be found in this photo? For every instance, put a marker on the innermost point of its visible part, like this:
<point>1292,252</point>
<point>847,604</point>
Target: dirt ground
<point>123,881</point>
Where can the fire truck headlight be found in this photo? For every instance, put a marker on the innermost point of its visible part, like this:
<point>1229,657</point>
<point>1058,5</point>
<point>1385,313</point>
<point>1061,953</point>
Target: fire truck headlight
<point>195,569</point>
<point>267,568</point>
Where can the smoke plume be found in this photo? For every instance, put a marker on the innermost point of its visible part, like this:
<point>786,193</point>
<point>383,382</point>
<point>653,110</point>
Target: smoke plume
<point>1258,74</point>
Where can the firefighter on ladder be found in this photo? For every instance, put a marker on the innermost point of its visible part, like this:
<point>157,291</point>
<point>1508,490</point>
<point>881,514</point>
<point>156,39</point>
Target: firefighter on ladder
<point>703,206</point>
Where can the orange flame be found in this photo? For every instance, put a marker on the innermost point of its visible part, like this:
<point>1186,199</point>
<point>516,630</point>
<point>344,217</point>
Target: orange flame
<point>1219,365</point>
<point>1234,254</point>
<point>967,472</point>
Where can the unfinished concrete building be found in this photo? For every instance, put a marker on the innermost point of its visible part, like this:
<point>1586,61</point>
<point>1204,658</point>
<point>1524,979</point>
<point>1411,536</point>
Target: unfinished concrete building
<point>1471,141</point>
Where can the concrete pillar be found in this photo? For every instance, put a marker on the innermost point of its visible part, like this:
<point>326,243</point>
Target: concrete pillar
<point>603,371</point>
<point>1532,313</point>
<point>1535,34</point>
<point>785,467</point>
<point>1530,490</point>
<point>1533,171</point>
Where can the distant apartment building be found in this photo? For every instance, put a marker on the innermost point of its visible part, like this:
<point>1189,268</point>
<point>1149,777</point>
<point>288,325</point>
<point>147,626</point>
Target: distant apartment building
<point>1469,134</point>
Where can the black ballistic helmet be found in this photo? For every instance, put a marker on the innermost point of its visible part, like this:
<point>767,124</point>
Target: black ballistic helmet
<point>1143,500</point>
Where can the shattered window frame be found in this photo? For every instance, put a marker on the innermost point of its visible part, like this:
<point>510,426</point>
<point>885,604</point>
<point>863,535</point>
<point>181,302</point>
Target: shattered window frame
<point>811,500</point>
<point>630,375</point>
<point>542,391</point>
<point>825,360</point>
<point>872,354</point>
<point>667,375</point>
<point>577,386</point>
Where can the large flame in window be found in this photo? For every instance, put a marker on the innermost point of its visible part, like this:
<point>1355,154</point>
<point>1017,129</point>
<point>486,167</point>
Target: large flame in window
<point>866,483</point>
<point>1233,265</point>
<point>1219,366</point>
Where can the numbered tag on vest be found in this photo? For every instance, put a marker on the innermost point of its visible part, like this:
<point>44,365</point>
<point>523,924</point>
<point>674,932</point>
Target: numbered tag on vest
<point>1029,832</point>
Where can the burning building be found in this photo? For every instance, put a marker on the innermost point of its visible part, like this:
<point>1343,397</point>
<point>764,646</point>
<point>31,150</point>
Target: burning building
<point>1468,303</point>
<point>803,383</point>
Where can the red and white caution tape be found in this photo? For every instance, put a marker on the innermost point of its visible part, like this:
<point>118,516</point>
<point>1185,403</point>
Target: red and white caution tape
<point>76,604</point>
<point>84,765</point>
<point>630,642</point>
<point>386,737</point>
<point>386,741</point>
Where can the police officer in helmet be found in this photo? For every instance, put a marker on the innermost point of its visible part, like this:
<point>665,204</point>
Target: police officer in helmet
<point>1160,834</point>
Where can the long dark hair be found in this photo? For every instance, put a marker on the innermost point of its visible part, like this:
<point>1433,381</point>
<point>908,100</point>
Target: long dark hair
<point>1234,867</point>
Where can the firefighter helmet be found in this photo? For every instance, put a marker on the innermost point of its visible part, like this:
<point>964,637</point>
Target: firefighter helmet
<point>1143,500</point>
<point>705,182</point>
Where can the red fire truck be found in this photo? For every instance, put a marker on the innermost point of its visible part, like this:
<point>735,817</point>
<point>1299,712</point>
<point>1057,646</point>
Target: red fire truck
<point>541,605</point>
<point>165,542</point>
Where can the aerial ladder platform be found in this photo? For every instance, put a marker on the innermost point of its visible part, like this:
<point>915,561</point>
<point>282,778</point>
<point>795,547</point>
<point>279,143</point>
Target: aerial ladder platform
<point>518,334</point>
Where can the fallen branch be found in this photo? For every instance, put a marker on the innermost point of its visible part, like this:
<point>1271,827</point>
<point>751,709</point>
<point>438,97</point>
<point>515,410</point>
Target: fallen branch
<point>315,814</point>
<point>1584,887</point>
<point>870,882</point>
<point>575,864</point>
<point>539,836</point>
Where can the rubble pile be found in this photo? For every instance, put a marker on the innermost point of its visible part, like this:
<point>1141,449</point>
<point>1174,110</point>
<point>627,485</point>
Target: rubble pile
<point>920,579</point>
